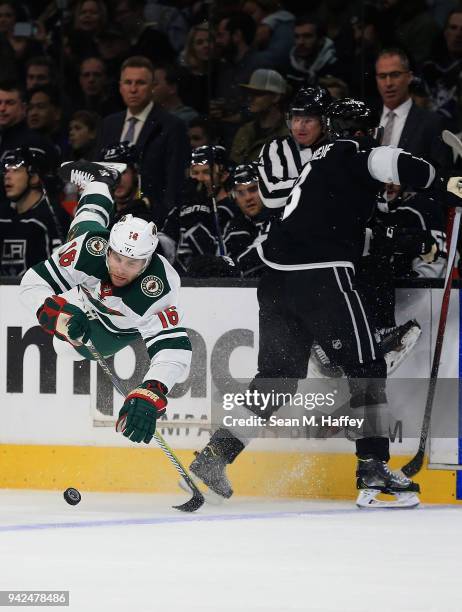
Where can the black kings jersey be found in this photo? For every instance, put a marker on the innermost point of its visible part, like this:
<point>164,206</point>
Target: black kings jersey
<point>327,211</point>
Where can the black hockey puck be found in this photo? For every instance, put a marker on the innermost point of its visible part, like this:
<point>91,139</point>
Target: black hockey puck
<point>72,496</point>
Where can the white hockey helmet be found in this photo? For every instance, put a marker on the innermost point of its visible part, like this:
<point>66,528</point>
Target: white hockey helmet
<point>134,237</point>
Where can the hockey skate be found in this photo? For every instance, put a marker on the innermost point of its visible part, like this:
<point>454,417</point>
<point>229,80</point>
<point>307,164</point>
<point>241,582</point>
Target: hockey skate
<point>397,342</point>
<point>211,495</point>
<point>374,477</point>
<point>321,365</point>
<point>83,172</point>
<point>210,468</point>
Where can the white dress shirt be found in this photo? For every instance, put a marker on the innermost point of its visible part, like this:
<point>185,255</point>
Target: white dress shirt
<point>138,125</point>
<point>401,113</point>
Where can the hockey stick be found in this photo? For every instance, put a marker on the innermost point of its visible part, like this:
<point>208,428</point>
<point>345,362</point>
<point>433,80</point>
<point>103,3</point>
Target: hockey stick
<point>197,500</point>
<point>415,464</point>
<point>221,246</point>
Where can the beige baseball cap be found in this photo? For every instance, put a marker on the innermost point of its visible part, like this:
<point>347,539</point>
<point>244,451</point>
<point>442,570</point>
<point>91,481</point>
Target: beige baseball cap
<point>264,79</point>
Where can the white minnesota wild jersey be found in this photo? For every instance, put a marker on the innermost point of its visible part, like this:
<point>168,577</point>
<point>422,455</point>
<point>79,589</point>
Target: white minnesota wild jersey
<point>147,307</point>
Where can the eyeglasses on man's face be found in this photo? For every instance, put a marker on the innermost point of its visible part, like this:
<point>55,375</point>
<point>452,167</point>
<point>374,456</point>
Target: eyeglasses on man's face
<point>395,74</point>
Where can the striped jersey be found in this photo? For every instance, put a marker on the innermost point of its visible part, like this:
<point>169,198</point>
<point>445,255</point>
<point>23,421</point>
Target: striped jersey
<point>280,164</point>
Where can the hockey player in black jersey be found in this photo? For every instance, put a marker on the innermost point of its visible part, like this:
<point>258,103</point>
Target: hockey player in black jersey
<point>191,228</point>
<point>246,230</point>
<point>311,294</point>
<point>405,238</point>
<point>417,239</point>
<point>29,227</point>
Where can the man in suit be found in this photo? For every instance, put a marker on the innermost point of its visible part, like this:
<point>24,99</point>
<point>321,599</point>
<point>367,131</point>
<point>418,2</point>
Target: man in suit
<point>405,125</point>
<point>160,138</point>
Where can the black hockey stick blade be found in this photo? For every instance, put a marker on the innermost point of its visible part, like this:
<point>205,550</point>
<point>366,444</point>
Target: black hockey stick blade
<point>415,464</point>
<point>196,501</point>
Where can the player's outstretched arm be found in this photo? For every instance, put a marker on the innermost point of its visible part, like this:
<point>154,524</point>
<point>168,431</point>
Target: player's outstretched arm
<point>393,165</point>
<point>72,264</point>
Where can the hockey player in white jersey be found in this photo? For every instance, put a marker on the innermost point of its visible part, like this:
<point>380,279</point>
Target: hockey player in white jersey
<point>126,291</point>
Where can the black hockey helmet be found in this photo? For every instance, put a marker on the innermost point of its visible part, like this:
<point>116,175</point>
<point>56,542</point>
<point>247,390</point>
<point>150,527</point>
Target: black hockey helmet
<point>244,174</point>
<point>35,160</point>
<point>346,116</point>
<point>208,154</point>
<point>122,152</point>
<point>309,101</point>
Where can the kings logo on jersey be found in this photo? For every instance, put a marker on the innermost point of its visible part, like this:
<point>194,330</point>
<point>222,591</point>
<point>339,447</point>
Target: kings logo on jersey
<point>152,286</point>
<point>96,245</point>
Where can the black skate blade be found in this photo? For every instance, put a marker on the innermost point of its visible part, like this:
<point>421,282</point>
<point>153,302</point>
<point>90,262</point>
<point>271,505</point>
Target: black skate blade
<point>196,502</point>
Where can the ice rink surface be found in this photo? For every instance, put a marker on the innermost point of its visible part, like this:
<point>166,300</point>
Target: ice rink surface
<point>129,552</point>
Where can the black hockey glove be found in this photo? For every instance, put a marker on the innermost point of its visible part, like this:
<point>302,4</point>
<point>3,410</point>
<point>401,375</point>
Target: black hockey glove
<point>413,242</point>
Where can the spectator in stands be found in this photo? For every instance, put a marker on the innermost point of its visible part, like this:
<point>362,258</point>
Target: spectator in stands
<point>7,17</point>
<point>275,31</point>
<point>25,45</point>
<point>267,89</point>
<point>408,24</point>
<point>90,16</point>
<point>44,114</point>
<point>28,226</point>
<point>89,20</point>
<point>313,54</point>
<point>83,133</point>
<point>160,138</point>
<point>40,70</point>
<point>170,20</point>
<point>199,133</point>
<point>336,16</point>
<point>97,93</point>
<point>234,38</point>
<point>406,125</point>
<point>114,48</point>
<point>13,127</point>
<point>247,229</point>
<point>336,87</point>
<point>8,68</point>
<point>195,60</point>
<point>145,40</point>
<point>360,70</point>
<point>167,80</point>
<point>420,93</point>
<point>443,71</point>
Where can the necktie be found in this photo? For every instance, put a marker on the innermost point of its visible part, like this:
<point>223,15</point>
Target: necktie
<point>130,135</point>
<point>388,129</point>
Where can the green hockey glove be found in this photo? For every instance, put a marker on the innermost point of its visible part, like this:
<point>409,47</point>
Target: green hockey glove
<point>141,409</point>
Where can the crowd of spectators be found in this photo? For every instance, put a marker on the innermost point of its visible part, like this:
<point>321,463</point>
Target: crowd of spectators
<point>168,76</point>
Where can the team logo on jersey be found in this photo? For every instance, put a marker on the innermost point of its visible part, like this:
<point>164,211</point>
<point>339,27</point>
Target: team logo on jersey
<point>152,286</point>
<point>337,344</point>
<point>96,245</point>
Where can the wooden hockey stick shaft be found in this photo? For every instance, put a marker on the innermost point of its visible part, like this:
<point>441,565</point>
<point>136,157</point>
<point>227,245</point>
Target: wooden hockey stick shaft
<point>197,500</point>
<point>415,464</point>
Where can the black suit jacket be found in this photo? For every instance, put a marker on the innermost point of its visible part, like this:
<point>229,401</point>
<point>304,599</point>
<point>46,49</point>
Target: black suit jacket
<point>421,136</point>
<point>164,150</point>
